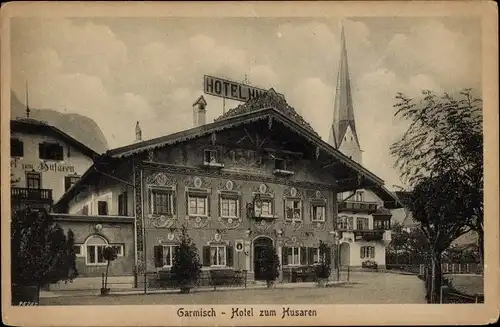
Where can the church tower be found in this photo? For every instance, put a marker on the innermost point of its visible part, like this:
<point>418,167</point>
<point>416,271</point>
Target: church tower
<point>343,135</point>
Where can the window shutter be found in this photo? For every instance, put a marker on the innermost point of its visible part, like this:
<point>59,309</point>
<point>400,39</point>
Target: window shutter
<point>372,254</point>
<point>206,256</point>
<point>310,256</point>
<point>303,256</point>
<point>284,256</point>
<point>158,251</point>
<point>229,256</point>
<point>174,203</point>
<point>41,152</point>
<point>361,253</point>
<point>328,255</point>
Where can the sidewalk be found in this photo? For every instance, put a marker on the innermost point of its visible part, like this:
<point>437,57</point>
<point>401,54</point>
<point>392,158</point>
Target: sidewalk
<point>140,291</point>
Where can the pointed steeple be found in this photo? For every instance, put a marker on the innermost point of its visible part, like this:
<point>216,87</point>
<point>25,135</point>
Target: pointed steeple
<point>343,115</point>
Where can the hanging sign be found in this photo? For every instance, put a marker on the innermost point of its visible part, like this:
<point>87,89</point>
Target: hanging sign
<point>224,88</point>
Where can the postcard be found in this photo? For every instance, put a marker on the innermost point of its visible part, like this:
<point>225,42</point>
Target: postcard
<point>249,163</point>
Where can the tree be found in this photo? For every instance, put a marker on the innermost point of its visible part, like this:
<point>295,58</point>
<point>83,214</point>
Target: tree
<point>324,268</point>
<point>109,254</point>
<point>270,265</point>
<point>445,135</point>
<point>440,157</point>
<point>41,253</point>
<point>186,268</point>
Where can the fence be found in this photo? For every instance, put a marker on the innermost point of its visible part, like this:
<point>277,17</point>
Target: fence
<point>446,268</point>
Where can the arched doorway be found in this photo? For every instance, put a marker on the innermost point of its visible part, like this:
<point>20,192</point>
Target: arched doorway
<point>345,254</point>
<point>259,246</point>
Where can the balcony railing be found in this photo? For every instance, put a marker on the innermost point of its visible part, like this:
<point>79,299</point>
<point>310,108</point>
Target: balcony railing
<point>31,194</point>
<point>357,206</point>
<point>369,234</point>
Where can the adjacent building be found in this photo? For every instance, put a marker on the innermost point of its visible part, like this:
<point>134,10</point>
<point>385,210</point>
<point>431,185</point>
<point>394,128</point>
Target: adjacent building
<point>45,162</point>
<point>363,222</point>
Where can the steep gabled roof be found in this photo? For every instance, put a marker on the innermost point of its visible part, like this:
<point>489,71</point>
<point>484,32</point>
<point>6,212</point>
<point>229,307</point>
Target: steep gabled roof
<point>33,126</point>
<point>243,115</point>
<point>269,99</point>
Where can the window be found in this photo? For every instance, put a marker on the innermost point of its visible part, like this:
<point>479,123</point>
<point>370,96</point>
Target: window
<point>367,252</point>
<point>263,208</point>
<point>94,251</point>
<point>70,181</point>
<point>50,151</point>
<point>33,180</point>
<point>314,252</point>
<point>362,223</point>
<point>168,255</point>
<point>345,223</point>
<point>293,256</point>
<point>102,208</point>
<point>279,164</point>
<point>118,248</point>
<point>16,148</point>
<point>198,205</point>
<point>210,156</point>
<point>358,196</point>
<point>293,210</point>
<point>85,210</point>
<point>162,202</point>
<point>78,250</point>
<point>217,255</point>
<point>229,207</point>
<point>318,213</point>
<point>382,224</point>
<point>122,204</point>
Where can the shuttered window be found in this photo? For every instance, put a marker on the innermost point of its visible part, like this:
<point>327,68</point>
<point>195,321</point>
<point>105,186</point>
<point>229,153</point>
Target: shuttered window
<point>162,202</point>
<point>122,204</point>
<point>367,252</point>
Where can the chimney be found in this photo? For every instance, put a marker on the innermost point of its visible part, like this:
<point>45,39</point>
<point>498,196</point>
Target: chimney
<point>138,133</point>
<point>199,112</point>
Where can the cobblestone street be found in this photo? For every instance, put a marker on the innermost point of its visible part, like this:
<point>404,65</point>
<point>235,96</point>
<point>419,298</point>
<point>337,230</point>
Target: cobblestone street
<point>366,288</point>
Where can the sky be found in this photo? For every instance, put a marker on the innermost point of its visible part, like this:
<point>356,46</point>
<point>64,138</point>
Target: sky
<point>121,70</point>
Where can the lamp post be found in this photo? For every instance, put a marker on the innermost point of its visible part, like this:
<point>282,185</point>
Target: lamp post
<point>336,239</point>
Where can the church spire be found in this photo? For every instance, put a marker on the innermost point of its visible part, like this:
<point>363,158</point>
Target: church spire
<point>27,102</point>
<point>343,114</point>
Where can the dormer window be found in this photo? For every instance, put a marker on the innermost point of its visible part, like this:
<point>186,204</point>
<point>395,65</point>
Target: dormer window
<point>50,151</point>
<point>281,167</point>
<point>211,159</point>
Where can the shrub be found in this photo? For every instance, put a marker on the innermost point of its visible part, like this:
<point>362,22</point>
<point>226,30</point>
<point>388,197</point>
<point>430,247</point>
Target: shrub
<point>186,268</point>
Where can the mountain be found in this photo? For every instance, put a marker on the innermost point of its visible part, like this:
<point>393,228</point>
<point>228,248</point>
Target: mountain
<point>79,127</point>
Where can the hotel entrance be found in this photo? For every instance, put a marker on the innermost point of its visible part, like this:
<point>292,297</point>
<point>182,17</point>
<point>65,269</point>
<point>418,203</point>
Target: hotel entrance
<point>260,245</point>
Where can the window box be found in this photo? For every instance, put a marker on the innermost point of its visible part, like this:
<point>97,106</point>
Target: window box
<point>283,172</point>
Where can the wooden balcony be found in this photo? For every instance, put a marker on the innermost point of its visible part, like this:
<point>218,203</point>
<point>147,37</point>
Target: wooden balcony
<point>355,206</point>
<point>369,235</point>
<point>31,194</point>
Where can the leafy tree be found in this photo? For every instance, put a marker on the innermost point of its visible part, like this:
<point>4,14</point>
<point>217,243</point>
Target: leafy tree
<point>440,158</point>
<point>324,269</point>
<point>186,268</point>
<point>270,264</point>
<point>41,253</point>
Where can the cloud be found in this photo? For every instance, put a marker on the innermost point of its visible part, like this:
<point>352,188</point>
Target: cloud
<point>430,48</point>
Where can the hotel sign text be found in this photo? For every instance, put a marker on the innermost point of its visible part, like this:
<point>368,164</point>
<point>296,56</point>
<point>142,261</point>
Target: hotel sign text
<point>230,90</point>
